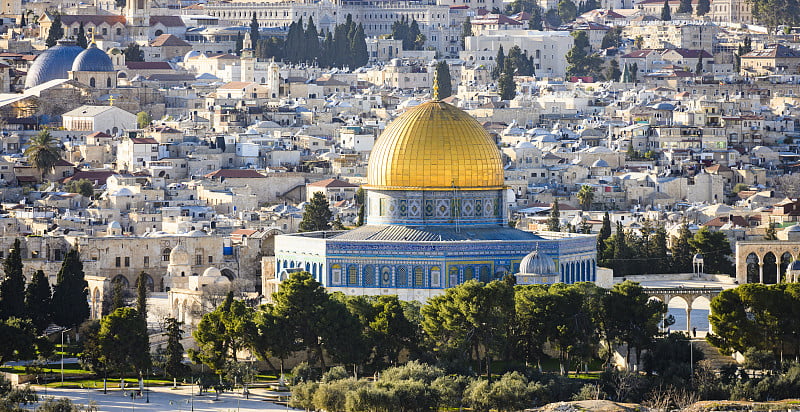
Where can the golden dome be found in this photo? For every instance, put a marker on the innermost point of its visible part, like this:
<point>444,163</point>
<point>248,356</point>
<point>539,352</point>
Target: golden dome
<point>435,146</point>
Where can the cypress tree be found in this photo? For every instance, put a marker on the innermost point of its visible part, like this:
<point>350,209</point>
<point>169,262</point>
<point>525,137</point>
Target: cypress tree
<point>444,80</point>
<point>239,44</point>
<point>666,13</point>
<point>506,85</point>
<point>535,23</point>
<point>12,288</point>
<point>499,63</point>
<point>141,295</point>
<point>37,301</point>
<point>554,221</point>
<point>174,366</point>
<point>255,35</point>
<point>55,33</point>
<point>703,7</point>
<point>358,48</point>
<point>682,251</point>
<point>80,39</point>
<point>317,214</point>
<point>685,6</point>
<point>341,47</point>
<point>70,307</point>
<point>605,233</point>
<point>414,35</point>
<point>311,42</point>
<point>326,55</point>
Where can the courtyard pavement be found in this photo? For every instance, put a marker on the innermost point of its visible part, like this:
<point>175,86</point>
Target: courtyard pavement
<point>166,399</point>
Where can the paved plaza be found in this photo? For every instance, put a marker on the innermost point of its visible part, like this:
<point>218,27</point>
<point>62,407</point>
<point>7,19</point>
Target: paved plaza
<point>167,399</point>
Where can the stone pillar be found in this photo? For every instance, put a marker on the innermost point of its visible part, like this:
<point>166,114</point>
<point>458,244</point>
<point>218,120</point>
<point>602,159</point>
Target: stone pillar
<point>689,318</point>
<point>760,272</point>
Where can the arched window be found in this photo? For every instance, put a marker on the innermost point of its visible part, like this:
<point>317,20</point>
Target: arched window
<point>165,254</point>
<point>336,274</point>
<point>452,276</point>
<point>108,83</point>
<point>352,275</point>
<point>401,276</point>
<point>386,276</point>
<point>468,274</point>
<point>92,82</point>
<point>436,277</point>
<point>419,277</point>
<point>369,275</point>
<point>485,274</point>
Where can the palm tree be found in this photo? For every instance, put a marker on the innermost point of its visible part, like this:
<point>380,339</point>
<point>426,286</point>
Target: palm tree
<point>43,152</point>
<point>586,197</point>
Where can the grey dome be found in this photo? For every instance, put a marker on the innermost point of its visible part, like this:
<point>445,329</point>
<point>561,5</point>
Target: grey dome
<point>600,163</point>
<point>53,64</point>
<point>794,265</point>
<point>536,263</point>
<point>92,60</point>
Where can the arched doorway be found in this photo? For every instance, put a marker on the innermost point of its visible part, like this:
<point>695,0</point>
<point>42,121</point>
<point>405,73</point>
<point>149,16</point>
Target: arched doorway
<point>752,268</point>
<point>770,268</point>
<point>228,274</point>
<point>149,283</point>
<point>786,259</point>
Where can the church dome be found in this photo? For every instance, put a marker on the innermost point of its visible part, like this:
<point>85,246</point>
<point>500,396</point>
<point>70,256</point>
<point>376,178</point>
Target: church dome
<point>92,60</point>
<point>179,256</point>
<point>536,263</point>
<point>435,146</point>
<point>53,64</point>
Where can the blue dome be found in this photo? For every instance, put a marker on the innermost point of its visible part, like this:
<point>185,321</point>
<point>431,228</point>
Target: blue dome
<point>53,64</point>
<point>92,60</point>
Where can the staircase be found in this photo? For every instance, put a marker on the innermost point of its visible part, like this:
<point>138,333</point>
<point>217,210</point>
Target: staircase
<point>711,354</point>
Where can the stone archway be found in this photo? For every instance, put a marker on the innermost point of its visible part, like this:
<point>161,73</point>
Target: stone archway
<point>753,269</point>
<point>786,259</point>
<point>228,274</point>
<point>770,269</point>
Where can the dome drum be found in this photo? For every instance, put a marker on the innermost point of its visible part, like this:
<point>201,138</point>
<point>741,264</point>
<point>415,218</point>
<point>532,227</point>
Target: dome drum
<point>427,208</point>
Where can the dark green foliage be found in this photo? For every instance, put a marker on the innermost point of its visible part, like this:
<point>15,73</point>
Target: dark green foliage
<point>12,288</point>
<point>56,31</point>
<point>317,214</point>
<point>81,186</point>
<point>507,87</point>
<point>70,307</point>
<point>37,301</point>
<point>716,251</point>
<point>523,65</point>
<point>409,33</point>
<point>123,342</point>
<point>360,198</point>
<point>682,251</point>
<point>141,295</point>
<point>631,317</point>
<point>552,18</point>
<point>554,221</point>
<point>19,340</point>
<point>466,31</point>
<point>685,6</point>
<point>612,71</point>
<point>666,13</point>
<point>80,38</point>
<point>535,22</point>
<point>612,38</point>
<point>91,352</point>
<point>311,46</point>
<point>567,11</point>
<point>581,63</point>
<point>173,363</point>
<point>255,35</point>
<point>444,82</point>
<point>499,63</point>
<point>703,7</point>
<point>133,53</point>
<point>239,44</point>
<point>358,48</point>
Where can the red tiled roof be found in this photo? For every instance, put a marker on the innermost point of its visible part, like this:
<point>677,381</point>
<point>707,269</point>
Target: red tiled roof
<point>96,19</point>
<point>168,21</point>
<point>168,40</point>
<point>98,134</point>
<point>98,177</point>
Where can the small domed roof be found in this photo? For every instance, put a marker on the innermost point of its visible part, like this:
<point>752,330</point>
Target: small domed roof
<point>600,163</point>
<point>524,145</point>
<point>794,265</point>
<point>536,263</point>
<point>190,54</point>
<point>212,272</point>
<point>54,63</point>
<point>123,192</point>
<point>179,256</point>
<point>92,60</point>
<point>196,233</point>
<point>114,225</point>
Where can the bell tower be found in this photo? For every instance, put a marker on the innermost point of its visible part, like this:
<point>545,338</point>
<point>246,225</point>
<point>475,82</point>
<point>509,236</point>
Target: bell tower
<point>137,14</point>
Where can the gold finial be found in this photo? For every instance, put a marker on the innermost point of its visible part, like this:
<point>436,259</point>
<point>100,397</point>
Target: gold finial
<point>436,83</point>
<point>111,100</point>
<point>93,32</point>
